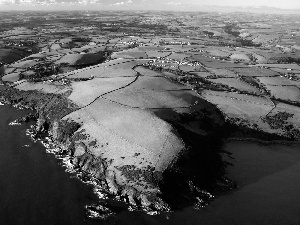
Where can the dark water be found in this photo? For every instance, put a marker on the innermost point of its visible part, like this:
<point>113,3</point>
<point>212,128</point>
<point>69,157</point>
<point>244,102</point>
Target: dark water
<point>35,189</point>
<point>269,189</point>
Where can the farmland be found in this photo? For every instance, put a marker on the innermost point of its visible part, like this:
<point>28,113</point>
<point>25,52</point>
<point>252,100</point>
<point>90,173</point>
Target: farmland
<point>130,98</point>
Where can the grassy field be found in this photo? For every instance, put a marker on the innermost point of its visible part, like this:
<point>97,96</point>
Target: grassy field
<point>254,72</point>
<point>277,81</point>
<point>83,93</point>
<point>290,93</point>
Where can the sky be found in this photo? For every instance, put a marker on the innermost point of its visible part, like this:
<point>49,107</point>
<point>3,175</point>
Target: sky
<point>140,4</point>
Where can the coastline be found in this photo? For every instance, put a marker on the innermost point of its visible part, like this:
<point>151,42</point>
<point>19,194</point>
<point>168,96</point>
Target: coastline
<point>61,150</point>
<point>94,211</point>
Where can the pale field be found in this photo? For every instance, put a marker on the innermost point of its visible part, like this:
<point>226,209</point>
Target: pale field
<point>235,107</point>
<point>157,54</point>
<point>9,69</point>
<point>153,98</point>
<point>218,64</point>
<point>178,56</point>
<point>254,72</point>
<point>12,77</point>
<point>282,66</point>
<point>85,92</point>
<point>147,72</point>
<point>102,73</point>
<point>291,93</point>
<point>296,47</point>
<point>44,87</point>
<point>24,64</point>
<point>222,72</point>
<point>129,54</point>
<point>28,73</point>
<point>278,81</point>
<point>284,71</point>
<point>154,92</point>
<point>242,107</point>
<point>123,63</point>
<point>256,100</point>
<point>55,46</point>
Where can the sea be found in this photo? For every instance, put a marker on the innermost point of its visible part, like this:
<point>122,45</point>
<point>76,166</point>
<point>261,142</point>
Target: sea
<point>37,189</point>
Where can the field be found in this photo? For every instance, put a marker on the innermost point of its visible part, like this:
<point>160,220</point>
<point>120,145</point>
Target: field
<point>254,72</point>
<point>290,93</point>
<point>248,108</point>
<point>277,81</point>
<point>83,93</point>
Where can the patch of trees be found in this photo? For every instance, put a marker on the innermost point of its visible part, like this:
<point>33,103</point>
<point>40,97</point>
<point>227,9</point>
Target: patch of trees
<point>279,121</point>
<point>288,60</point>
<point>232,29</point>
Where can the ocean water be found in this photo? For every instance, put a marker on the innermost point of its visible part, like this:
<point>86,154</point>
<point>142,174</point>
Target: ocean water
<point>268,193</point>
<point>35,189</point>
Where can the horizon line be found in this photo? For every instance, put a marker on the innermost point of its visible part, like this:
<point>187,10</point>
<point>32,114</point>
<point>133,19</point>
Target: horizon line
<point>43,6</point>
